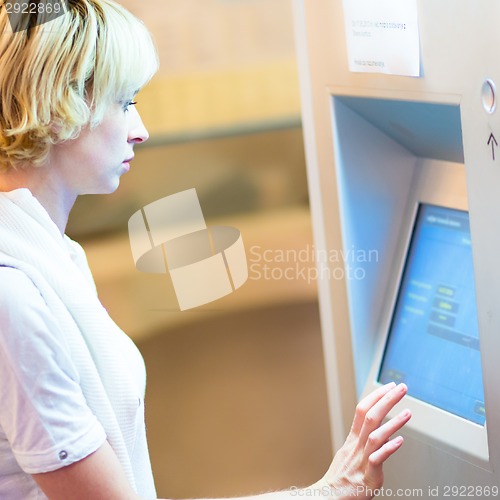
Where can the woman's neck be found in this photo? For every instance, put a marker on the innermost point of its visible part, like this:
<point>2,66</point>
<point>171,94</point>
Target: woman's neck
<point>45,188</point>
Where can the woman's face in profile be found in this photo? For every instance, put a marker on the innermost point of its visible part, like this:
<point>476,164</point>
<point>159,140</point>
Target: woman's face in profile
<point>94,162</point>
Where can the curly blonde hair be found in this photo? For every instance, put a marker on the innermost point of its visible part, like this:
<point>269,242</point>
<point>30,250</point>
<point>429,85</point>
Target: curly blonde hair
<point>61,76</point>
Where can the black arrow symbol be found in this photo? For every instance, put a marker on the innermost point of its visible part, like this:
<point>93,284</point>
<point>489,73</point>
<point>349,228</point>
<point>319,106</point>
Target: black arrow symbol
<point>493,144</point>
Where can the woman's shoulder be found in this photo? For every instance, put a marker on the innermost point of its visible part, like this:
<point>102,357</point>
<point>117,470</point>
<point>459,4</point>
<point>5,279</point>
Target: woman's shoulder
<point>18,296</point>
<point>13,279</point>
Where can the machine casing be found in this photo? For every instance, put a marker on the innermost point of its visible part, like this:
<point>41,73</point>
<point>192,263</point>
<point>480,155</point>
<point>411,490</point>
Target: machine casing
<point>376,146</point>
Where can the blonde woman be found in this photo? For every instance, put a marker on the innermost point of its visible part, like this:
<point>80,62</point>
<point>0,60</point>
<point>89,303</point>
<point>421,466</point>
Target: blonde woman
<point>71,382</point>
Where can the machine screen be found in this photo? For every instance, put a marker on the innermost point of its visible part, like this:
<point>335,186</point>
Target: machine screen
<point>433,342</point>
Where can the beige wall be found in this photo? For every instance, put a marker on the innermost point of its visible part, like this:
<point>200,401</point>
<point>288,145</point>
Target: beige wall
<point>236,405</point>
<point>222,63</point>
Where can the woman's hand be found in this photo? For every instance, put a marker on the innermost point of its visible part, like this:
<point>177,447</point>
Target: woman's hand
<point>356,470</point>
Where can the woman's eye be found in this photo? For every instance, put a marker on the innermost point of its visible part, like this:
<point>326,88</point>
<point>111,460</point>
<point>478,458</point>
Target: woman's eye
<point>128,104</point>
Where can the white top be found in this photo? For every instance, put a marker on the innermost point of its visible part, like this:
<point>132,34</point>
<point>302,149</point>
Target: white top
<point>45,418</point>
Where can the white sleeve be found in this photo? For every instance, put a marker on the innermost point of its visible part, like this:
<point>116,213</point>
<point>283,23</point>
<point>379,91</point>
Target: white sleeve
<point>43,413</point>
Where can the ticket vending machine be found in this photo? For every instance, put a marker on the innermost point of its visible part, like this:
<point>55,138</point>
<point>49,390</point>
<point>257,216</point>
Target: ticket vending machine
<point>404,180</point>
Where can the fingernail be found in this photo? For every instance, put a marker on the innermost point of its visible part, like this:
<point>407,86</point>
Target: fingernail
<point>402,387</point>
<point>391,384</point>
<point>406,413</point>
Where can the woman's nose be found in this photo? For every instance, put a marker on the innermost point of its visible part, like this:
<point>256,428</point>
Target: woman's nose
<point>137,131</point>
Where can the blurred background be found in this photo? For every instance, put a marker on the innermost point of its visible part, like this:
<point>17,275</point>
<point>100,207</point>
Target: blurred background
<point>236,398</point>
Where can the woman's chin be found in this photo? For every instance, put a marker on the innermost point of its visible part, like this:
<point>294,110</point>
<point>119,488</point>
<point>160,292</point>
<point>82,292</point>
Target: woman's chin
<point>108,188</point>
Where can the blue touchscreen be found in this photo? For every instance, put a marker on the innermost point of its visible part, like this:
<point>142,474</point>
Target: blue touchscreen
<point>433,342</point>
